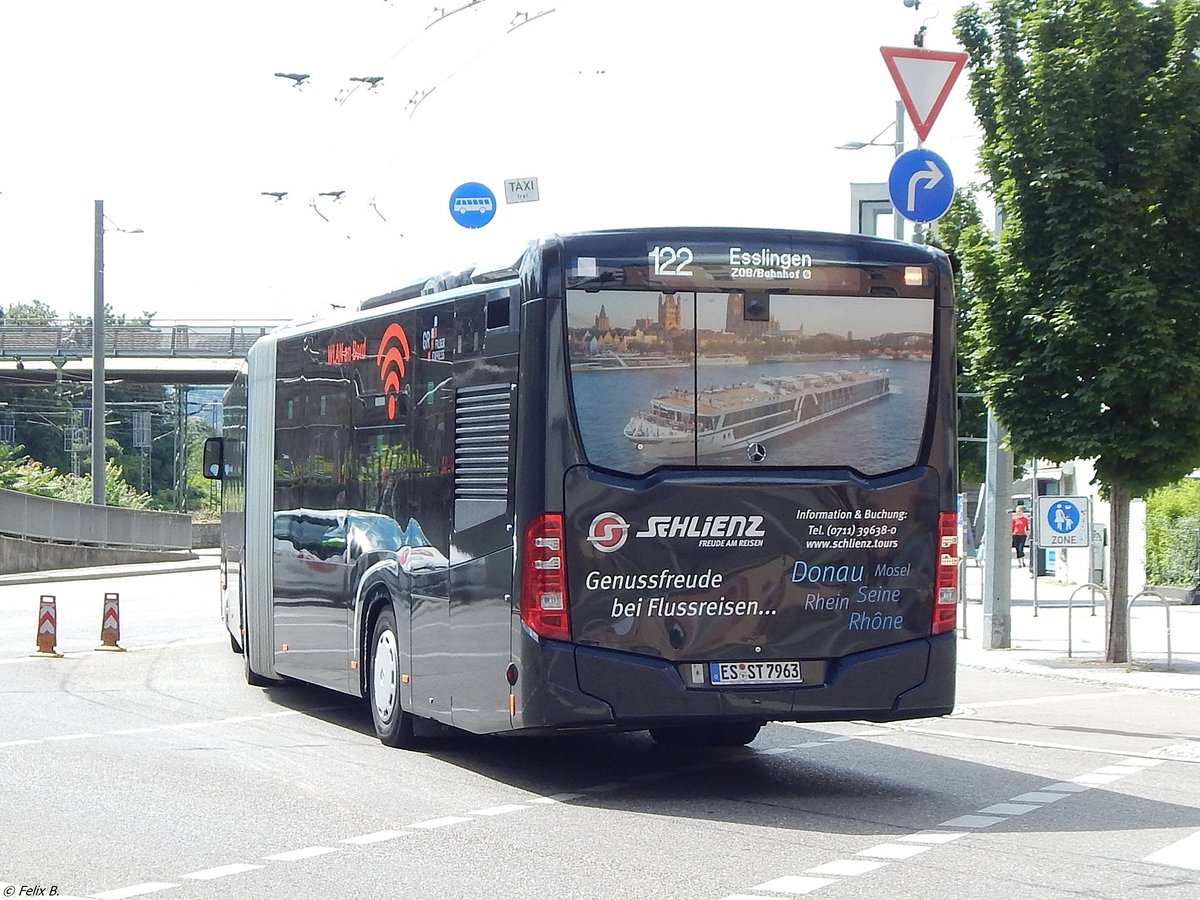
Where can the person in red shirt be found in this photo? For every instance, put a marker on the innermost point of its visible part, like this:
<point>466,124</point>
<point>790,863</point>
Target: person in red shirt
<point>1020,533</point>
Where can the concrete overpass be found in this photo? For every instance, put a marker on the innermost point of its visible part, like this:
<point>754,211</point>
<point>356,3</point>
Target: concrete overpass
<point>191,353</point>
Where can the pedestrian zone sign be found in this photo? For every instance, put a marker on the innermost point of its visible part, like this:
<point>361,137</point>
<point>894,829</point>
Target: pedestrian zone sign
<point>1064,522</point>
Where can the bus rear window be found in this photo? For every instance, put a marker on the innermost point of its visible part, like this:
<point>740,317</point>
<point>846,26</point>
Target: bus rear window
<point>749,377</point>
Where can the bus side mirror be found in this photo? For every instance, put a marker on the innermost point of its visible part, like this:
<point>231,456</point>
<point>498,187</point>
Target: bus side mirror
<point>214,458</point>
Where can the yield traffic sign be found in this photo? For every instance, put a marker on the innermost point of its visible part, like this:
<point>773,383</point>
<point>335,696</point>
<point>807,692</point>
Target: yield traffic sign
<point>924,79</point>
<point>920,185</point>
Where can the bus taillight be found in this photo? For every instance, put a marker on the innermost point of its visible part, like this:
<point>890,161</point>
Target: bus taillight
<point>544,579</point>
<point>945,606</point>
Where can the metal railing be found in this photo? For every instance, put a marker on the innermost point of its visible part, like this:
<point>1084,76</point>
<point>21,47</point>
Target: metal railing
<point>1129,624</point>
<point>1071,608</point>
<point>167,339</point>
<point>40,518</point>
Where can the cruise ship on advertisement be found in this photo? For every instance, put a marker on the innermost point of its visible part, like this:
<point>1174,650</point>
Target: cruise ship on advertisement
<point>680,423</point>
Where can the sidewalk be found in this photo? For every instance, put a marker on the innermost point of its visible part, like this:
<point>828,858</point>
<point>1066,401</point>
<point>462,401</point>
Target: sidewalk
<point>1052,640</point>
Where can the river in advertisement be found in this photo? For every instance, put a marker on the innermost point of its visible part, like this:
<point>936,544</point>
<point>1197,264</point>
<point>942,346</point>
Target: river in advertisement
<point>879,435</point>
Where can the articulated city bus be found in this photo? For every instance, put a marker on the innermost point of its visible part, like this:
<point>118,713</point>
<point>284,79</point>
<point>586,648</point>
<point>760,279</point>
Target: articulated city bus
<point>683,480</point>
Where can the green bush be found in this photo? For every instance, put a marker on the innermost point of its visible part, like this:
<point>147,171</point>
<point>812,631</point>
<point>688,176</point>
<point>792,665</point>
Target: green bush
<point>1173,534</point>
<point>20,473</point>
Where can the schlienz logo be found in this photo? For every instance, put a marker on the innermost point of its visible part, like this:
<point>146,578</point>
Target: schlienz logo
<point>703,527</point>
<point>608,532</point>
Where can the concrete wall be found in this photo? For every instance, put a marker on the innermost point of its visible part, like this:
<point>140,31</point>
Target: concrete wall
<point>206,534</point>
<point>18,556</point>
<point>43,519</point>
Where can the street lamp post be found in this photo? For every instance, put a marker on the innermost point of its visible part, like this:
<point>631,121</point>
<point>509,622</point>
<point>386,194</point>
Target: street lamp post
<point>898,146</point>
<point>98,460</point>
<point>98,457</point>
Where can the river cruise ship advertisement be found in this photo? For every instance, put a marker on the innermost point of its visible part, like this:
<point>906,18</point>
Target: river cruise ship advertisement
<point>679,377</point>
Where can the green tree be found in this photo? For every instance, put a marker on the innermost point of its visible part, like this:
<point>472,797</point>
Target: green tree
<point>1085,312</point>
<point>35,312</point>
<point>958,228</point>
<point>1173,534</point>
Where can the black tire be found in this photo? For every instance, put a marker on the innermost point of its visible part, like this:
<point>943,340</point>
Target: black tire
<point>252,678</point>
<point>393,726</point>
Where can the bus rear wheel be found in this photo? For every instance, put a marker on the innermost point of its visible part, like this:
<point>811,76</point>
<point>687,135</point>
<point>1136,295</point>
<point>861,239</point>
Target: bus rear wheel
<point>393,725</point>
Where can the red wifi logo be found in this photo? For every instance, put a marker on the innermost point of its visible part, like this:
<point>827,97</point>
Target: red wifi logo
<point>392,358</point>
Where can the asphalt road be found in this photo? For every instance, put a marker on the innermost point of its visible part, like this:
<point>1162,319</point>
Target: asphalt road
<point>159,773</point>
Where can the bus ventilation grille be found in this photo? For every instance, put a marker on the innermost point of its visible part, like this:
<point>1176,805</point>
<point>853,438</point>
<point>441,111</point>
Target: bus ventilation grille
<point>482,438</point>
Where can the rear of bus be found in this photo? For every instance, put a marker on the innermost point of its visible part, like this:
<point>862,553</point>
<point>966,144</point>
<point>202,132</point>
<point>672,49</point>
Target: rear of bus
<point>736,482</point>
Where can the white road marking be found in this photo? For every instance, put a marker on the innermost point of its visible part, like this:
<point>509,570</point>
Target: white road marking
<point>222,871</point>
<point>1011,742</point>
<point>892,851</point>
<point>556,798</point>
<point>71,737</point>
<point>1010,809</point>
<point>18,743</point>
<point>374,838</point>
<point>972,822</point>
<point>1068,787</point>
<point>303,853</point>
<point>1056,698</point>
<point>134,891</point>
<point>498,810</point>
<point>1120,770</point>
<point>1093,778</point>
<point>1184,854</point>
<point>439,823</point>
<point>1038,797</point>
<point>847,867</point>
<point>794,884</point>
<point>933,837</point>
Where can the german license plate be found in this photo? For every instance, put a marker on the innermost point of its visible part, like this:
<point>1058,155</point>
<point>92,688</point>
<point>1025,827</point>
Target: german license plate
<point>778,672</point>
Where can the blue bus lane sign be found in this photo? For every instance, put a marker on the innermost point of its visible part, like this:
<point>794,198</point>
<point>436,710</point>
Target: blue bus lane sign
<point>1063,522</point>
<point>921,185</point>
<point>472,205</point>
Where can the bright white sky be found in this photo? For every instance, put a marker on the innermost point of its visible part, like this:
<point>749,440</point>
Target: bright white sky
<point>629,112</point>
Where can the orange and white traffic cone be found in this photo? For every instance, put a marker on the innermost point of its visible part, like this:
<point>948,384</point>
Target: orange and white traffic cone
<point>47,633</point>
<point>110,623</point>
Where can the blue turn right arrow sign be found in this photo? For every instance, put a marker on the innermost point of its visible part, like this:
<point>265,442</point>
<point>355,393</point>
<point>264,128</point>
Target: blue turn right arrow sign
<point>921,185</point>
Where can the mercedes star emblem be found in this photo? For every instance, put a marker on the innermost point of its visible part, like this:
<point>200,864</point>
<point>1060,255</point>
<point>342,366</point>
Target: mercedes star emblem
<point>756,452</point>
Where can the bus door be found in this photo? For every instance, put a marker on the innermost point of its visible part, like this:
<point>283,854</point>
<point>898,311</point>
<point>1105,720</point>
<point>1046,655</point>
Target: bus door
<point>481,573</point>
<point>429,470</point>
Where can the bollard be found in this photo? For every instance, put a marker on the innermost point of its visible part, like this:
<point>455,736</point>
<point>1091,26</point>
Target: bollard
<point>110,624</point>
<point>47,633</point>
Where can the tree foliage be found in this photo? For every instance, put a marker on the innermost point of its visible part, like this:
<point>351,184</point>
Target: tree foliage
<point>29,476</point>
<point>1173,534</point>
<point>1085,314</point>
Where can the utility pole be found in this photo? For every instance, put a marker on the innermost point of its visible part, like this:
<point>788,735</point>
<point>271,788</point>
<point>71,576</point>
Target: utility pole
<point>897,219</point>
<point>98,472</point>
<point>997,569</point>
